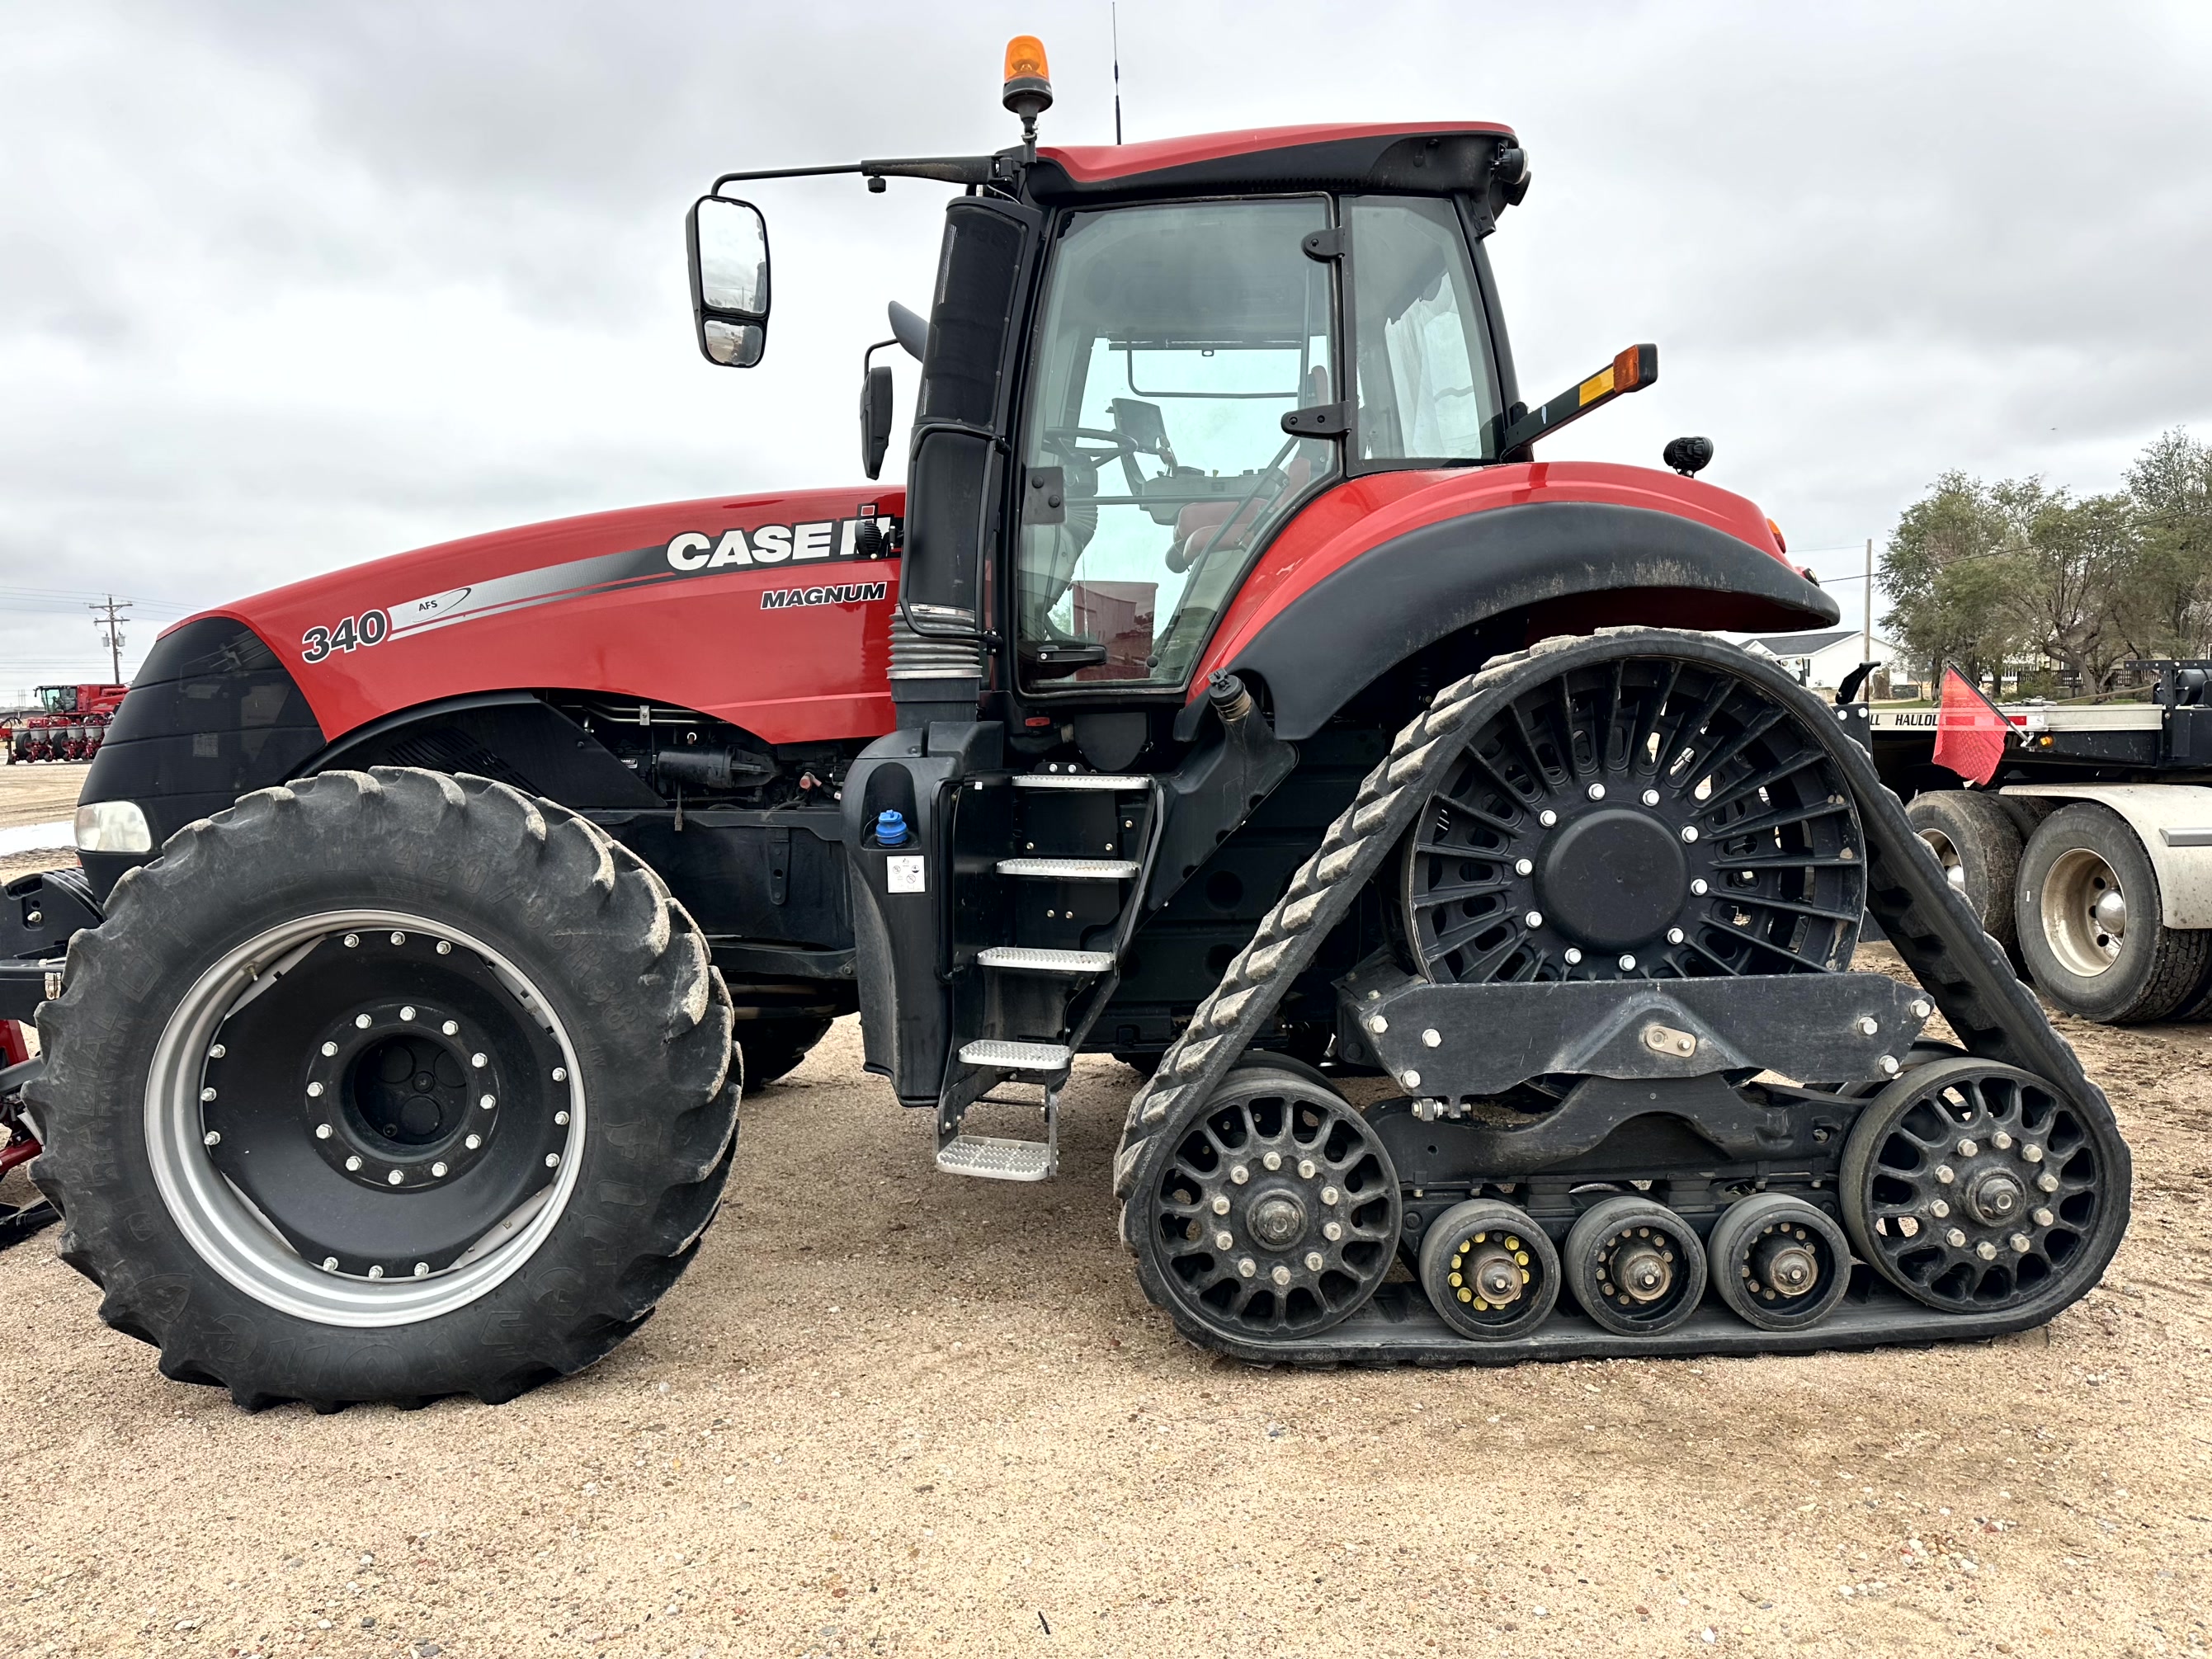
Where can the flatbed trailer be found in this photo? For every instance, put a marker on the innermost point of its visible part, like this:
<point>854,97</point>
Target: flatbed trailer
<point>2088,855</point>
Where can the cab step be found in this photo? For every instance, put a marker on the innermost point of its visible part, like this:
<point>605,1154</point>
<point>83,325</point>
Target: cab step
<point>1070,869</point>
<point>1117,782</point>
<point>1023,958</point>
<point>994,1157</point>
<point>1006,1055</point>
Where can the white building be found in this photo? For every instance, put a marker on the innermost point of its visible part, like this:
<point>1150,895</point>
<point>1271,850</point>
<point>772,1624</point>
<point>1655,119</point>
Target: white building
<point>1823,659</point>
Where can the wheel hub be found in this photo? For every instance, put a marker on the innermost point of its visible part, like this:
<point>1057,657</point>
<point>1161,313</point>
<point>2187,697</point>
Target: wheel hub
<point>1996,1196</point>
<point>1644,1270</point>
<point>1495,1276</point>
<point>1614,878</point>
<point>1278,1220</point>
<point>403,1087</point>
<point>1786,1265</point>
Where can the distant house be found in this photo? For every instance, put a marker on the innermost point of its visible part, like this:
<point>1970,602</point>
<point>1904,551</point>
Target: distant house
<point>1823,659</point>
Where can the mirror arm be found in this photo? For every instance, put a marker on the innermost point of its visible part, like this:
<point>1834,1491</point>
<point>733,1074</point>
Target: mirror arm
<point>947,169</point>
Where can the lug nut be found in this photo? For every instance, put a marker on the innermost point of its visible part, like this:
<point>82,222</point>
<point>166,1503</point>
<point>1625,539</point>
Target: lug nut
<point>352,940</point>
<point>1535,919</point>
<point>1332,1230</point>
<point>1524,866</point>
<point>217,1052</point>
<point>1315,1261</point>
<point>1689,832</point>
<point>1987,1251</point>
<point>362,1021</point>
<point>2048,1182</point>
<point>376,1272</point>
<point>1432,1038</point>
<point>445,947</point>
<point>1239,1174</point>
<point>1225,1240</point>
<point>422,1270</point>
<point>212,1137</point>
<point>207,1094</point>
<point>1328,1195</point>
<point>2022,1243</point>
<point>1377,1024</point>
<point>1571,955</point>
<point>329,1264</point>
<point>1306,1167</point>
<point>1967,1149</point>
<point>1247,1267</point>
<point>1279,1273</point>
<point>1700,887</point>
<point>399,938</point>
<point>1956,1238</point>
<point>1596,792</point>
<point>486,1102</point>
<point>314,1091</point>
<point>1674,936</point>
<point>552,1160</point>
<point>1271,1159</point>
<point>479,1061</point>
<point>1627,964</point>
<point>2002,1141</point>
<point>2043,1218</point>
<point>451,1028</point>
<point>1945,1174</point>
<point>322,1132</point>
<point>1547,817</point>
<point>1651,798</point>
<point>2032,1152</point>
<point>560,1117</point>
<point>1411,1080</point>
<point>407,1013</point>
<point>1221,1203</point>
<point>329,1048</point>
<point>1938,1208</point>
<point>394,1179</point>
<point>437,1172</point>
<point>560,1074</point>
<point>473,1142</point>
<point>1869,1025</point>
<point>353,1160</point>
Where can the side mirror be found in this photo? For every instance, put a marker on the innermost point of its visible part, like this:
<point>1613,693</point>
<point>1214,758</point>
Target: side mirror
<point>875,419</point>
<point>727,242</point>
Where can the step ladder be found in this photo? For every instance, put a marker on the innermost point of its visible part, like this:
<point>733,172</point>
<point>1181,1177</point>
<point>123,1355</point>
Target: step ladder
<point>998,1158</point>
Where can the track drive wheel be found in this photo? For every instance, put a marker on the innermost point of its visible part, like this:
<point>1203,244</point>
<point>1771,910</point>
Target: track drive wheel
<point>1489,1271</point>
<point>1635,1267</point>
<point>1780,1263</point>
<point>1271,1211</point>
<point>1975,1186</point>
<point>335,1110</point>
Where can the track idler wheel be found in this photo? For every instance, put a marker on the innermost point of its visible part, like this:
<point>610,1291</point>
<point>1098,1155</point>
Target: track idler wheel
<point>1635,1267</point>
<point>1489,1272</point>
<point>1779,1262</point>
<point>1275,1213</point>
<point>1975,1186</point>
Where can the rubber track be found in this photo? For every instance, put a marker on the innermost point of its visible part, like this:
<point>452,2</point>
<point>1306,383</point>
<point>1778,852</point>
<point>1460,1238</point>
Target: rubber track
<point>1932,927</point>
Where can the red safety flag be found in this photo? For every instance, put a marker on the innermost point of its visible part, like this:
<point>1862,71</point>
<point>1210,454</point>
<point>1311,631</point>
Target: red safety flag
<point>1969,730</point>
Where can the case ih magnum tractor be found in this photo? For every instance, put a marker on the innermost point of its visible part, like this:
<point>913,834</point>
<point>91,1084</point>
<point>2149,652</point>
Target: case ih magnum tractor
<point>1229,689</point>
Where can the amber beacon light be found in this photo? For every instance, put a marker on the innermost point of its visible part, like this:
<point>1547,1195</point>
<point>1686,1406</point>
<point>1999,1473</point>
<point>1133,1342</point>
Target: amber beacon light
<point>1028,91</point>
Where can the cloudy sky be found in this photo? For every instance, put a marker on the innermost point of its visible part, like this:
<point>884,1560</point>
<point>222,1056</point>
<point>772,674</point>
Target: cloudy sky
<point>286,287</point>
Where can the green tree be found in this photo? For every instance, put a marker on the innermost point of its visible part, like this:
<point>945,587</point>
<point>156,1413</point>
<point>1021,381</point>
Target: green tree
<point>2162,609</point>
<point>1948,568</point>
<point>2067,560</point>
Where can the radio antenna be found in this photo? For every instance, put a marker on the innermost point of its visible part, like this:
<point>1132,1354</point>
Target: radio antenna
<point>1114,16</point>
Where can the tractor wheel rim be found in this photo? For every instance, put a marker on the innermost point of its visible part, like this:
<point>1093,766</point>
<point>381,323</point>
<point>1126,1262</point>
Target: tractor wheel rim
<point>224,1228</point>
<point>2085,912</point>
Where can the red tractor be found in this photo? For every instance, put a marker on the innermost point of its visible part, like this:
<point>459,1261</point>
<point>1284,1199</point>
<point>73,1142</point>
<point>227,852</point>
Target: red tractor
<point>1229,690</point>
<point>70,724</point>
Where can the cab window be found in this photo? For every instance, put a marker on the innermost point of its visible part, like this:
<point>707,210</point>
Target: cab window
<point>1424,383</point>
<point>1173,340</point>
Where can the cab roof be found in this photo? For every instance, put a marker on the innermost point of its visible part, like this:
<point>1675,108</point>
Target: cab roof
<point>1429,157</point>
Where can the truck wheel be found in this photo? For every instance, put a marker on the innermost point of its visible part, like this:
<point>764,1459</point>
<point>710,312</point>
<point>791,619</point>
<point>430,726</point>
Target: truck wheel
<point>1978,844</point>
<point>770,1047</point>
<point>2089,927</point>
<point>384,1086</point>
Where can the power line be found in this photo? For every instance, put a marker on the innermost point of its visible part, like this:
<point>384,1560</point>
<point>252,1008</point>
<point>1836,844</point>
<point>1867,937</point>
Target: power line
<point>112,639</point>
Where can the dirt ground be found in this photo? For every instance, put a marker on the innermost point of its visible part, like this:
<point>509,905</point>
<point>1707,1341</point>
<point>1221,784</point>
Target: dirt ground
<point>890,1412</point>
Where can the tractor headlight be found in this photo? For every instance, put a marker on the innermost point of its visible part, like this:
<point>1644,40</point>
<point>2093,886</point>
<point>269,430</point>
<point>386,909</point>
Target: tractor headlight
<point>113,826</point>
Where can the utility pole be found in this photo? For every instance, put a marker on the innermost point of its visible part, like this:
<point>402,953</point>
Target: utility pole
<point>1866,640</point>
<point>111,614</point>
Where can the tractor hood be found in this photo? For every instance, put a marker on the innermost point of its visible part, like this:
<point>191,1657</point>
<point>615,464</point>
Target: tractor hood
<point>764,611</point>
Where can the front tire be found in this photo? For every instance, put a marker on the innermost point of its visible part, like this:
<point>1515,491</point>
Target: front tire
<point>384,1086</point>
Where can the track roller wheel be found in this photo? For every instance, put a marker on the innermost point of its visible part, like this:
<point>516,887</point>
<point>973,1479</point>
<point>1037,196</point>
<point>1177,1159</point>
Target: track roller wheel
<point>1779,1262</point>
<point>1272,1213</point>
<point>1977,1187</point>
<point>1634,1266</point>
<point>1489,1271</point>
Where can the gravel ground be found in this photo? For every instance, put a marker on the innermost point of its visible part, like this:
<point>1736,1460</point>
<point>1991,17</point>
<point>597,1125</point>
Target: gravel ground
<point>888,1412</point>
